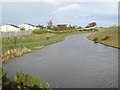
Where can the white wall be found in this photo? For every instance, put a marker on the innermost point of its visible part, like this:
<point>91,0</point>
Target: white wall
<point>27,27</point>
<point>8,28</point>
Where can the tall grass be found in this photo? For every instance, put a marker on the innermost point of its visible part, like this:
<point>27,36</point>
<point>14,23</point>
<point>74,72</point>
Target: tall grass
<point>22,80</point>
<point>29,80</point>
<point>108,36</point>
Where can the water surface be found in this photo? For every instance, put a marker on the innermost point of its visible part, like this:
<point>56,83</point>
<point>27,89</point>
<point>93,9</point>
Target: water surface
<point>75,62</point>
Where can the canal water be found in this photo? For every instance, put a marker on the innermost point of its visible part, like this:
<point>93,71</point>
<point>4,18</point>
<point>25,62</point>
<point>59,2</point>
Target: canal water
<point>75,62</point>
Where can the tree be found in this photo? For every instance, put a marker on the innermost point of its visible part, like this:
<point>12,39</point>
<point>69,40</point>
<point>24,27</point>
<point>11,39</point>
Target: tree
<point>22,28</point>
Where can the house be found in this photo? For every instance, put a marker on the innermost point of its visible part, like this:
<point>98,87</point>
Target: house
<point>9,27</point>
<point>27,26</point>
<point>91,25</point>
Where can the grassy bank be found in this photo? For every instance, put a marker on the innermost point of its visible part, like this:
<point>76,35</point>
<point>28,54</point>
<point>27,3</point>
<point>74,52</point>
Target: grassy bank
<point>107,36</point>
<point>16,46</point>
<point>22,81</point>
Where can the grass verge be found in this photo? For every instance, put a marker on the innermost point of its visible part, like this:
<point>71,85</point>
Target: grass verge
<point>108,36</point>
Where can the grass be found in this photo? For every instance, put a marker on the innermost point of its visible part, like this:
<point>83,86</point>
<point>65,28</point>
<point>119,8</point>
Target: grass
<point>38,35</point>
<point>28,80</point>
<point>108,36</point>
<point>33,41</point>
<point>18,43</point>
<point>29,41</point>
<point>22,80</point>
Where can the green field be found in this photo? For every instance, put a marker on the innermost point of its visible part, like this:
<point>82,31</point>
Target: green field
<point>107,36</point>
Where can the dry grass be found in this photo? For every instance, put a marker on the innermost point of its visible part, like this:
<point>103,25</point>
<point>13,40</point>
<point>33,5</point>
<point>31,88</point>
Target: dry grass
<point>111,33</point>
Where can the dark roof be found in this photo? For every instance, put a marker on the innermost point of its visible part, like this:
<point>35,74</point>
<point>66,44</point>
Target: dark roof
<point>13,25</point>
<point>29,24</point>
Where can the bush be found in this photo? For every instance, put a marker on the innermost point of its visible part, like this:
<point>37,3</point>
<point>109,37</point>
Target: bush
<point>29,80</point>
<point>105,37</point>
<point>5,81</point>
<point>22,80</point>
<point>93,29</point>
<point>95,39</point>
<point>54,28</point>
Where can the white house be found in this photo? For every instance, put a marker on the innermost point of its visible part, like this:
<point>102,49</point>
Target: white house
<point>9,27</point>
<point>27,26</point>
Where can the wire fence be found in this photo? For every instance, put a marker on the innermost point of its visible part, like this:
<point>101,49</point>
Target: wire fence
<point>15,33</point>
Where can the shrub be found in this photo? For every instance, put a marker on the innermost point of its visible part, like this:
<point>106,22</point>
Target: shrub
<point>28,80</point>
<point>105,37</point>
<point>22,28</point>
<point>95,39</point>
<point>22,80</point>
<point>5,80</point>
<point>55,28</point>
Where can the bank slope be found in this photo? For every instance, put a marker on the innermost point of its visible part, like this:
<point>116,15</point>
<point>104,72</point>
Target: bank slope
<point>108,36</point>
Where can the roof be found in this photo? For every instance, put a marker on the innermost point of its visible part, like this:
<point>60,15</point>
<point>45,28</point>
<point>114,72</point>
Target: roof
<point>13,25</point>
<point>29,24</point>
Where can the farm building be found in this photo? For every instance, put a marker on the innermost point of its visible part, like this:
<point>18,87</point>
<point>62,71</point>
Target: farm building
<point>27,26</point>
<point>9,27</point>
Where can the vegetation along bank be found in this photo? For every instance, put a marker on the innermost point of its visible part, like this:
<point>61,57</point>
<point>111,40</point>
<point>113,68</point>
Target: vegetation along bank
<point>107,36</point>
<point>19,45</point>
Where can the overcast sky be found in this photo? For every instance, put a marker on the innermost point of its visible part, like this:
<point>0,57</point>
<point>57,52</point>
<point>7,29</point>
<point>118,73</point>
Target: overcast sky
<point>75,12</point>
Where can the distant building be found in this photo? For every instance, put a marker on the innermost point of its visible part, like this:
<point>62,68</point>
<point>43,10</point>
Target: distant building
<point>9,27</point>
<point>62,27</point>
<point>27,26</point>
<point>50,24</point>
<point>91,25</point>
